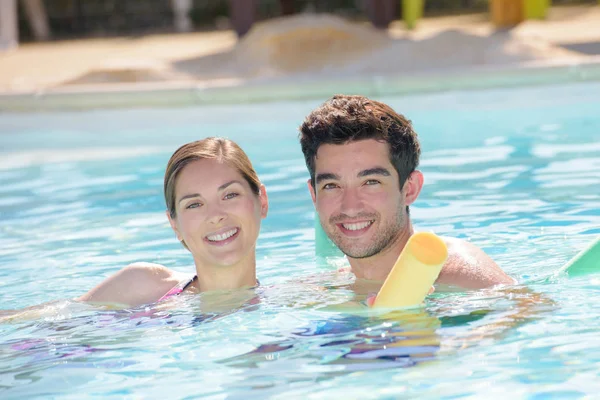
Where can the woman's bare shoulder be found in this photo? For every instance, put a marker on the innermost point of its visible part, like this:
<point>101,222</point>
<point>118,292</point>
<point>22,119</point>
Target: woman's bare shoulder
<point>136,284</point>
<point>146,270</point>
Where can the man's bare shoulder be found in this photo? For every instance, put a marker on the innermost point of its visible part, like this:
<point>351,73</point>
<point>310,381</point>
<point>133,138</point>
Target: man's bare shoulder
<point>469,267</point>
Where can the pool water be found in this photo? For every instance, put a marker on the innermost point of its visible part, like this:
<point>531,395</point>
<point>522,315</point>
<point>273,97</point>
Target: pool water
<point>516,171</point>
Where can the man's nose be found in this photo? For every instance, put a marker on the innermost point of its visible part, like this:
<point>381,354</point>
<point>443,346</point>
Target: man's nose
<point>351,202</point>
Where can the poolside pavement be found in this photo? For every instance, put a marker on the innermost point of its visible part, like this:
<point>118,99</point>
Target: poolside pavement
<point>308,48</point>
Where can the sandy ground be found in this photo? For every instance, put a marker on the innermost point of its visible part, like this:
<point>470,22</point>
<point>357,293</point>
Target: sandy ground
<point>310,46</point>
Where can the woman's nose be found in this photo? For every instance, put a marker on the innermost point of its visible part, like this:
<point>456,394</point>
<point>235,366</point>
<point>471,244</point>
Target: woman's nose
<point>216,215</point>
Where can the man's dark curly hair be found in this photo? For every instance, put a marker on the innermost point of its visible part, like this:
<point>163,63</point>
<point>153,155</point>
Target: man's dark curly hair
<point>343,119</point>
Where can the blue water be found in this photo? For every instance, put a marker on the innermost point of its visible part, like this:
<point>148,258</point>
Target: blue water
<point>516,171</point>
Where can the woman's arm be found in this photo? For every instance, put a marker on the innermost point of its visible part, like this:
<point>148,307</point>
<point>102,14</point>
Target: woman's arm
<point>134,285</point>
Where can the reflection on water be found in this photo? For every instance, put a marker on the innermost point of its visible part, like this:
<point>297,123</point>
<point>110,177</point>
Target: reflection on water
<point>517,178</point>
<point>286,332</point>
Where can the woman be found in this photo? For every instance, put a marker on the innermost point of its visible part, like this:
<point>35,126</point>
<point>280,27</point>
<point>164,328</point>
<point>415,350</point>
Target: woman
<point>215,204</point>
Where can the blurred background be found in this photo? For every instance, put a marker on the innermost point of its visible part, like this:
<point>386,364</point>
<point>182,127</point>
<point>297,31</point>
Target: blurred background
<point>51,45</point>
<point>70,19</point>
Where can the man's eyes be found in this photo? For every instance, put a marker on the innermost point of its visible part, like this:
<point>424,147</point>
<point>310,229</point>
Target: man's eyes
<point>369,182</point>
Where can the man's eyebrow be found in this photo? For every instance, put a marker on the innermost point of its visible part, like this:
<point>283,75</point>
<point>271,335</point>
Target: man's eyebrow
<point>326,176</point>
<point>374,171</point>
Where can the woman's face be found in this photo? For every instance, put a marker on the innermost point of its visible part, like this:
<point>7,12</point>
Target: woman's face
<point>217,214</point>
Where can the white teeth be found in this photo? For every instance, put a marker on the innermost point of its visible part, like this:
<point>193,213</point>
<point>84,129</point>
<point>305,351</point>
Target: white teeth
<point>222,236</point>
<point>357,226</point>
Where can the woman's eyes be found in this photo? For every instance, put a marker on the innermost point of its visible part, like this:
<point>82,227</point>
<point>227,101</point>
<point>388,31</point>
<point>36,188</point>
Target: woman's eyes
<point>193,205</point>
<point>197,204</point>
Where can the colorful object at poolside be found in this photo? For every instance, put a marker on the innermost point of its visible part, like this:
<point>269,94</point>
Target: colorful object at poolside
<point>506,13</point>
<point>412,11</point>
<point>416,269</point>
<point>586,262</point>
<point>535,9</point>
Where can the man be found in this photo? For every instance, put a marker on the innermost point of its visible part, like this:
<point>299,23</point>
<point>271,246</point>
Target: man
<point>362,158</point>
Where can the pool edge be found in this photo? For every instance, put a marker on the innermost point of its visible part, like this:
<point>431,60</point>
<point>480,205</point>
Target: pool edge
<point>172,94</point>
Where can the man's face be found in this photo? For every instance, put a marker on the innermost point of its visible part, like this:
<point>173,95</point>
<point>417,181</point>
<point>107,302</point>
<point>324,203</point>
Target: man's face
<point>358,198</point>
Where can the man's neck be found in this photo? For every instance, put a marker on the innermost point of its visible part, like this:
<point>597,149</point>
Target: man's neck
<point>378,267</point>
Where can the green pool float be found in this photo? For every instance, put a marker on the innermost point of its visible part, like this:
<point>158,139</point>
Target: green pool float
<point>324,247</point>
<point>584,263</point>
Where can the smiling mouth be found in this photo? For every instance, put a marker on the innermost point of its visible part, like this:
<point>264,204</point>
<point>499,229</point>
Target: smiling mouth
<point>222,237</point>
<point>353,228</point>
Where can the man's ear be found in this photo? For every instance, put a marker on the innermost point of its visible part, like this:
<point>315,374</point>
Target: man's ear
<point>413,186</point>
<point>174,226</point>
<point>264,201</point>
<point>311,189</point>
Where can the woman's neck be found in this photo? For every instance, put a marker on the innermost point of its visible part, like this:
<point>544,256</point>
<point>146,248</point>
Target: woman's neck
<point>240,275</point>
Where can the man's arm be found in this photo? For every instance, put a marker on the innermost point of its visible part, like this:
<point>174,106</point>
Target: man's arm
<point>469,267</point>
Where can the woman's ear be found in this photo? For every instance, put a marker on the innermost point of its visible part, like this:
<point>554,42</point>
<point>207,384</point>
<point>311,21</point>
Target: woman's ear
<point>264,201</point>
<point>413,186</point>
<point>174,226</point>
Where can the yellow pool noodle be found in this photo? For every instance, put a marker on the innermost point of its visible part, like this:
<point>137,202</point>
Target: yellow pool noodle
<point>416,269</point>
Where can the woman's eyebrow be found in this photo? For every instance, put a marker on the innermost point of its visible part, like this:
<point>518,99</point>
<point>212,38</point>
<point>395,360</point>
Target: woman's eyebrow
<point>225,185</point>
<point>189,196</point>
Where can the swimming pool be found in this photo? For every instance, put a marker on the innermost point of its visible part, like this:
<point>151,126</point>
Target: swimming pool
<point>513,170</point>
